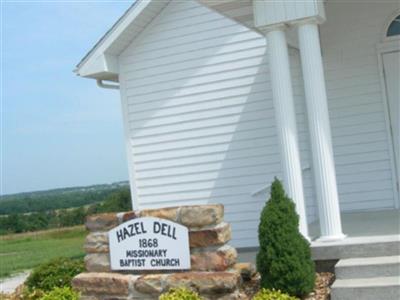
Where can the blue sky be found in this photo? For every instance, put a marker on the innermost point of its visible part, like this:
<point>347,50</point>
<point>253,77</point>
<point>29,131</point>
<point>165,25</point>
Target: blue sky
<point>58,130</point>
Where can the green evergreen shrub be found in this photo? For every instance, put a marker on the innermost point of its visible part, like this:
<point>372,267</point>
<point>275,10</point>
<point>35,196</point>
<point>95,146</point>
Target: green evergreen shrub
<point>180,294</point>
<point>64,293</point>
<point>265,294</point>
<point>284,257</point>
<point>56,273</point>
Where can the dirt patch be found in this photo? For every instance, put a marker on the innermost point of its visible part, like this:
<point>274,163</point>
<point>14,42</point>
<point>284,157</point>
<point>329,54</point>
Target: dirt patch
<point>8,285</point>
<point>322,290</point>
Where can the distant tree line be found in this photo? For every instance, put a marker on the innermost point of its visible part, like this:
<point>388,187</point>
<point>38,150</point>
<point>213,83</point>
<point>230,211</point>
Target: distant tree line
<point>24,222</point>
<point>44,201</point>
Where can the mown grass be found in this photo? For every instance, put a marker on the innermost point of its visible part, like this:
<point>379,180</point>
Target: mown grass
<point>24,251</point>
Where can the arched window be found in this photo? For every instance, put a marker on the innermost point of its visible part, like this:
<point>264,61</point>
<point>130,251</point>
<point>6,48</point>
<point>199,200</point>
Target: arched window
<point>394,27</point>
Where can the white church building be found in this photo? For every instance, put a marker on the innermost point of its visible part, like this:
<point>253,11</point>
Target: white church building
<point>219,97</point>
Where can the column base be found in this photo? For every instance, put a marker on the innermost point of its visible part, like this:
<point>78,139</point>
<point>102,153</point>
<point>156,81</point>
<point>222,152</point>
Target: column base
<point>331,238</point>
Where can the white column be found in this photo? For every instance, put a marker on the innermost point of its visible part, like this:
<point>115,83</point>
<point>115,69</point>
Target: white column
<point>320,133</point>
<point>286,120</point>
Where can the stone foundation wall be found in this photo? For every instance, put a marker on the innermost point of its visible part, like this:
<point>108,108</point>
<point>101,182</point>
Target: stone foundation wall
<point>214,273</point>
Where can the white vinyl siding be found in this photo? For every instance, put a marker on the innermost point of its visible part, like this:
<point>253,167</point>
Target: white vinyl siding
<point>357,111</point>
<point>201,121</point>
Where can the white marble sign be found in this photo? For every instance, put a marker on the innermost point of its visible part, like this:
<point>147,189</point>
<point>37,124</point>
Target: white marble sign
<point>149,244</point>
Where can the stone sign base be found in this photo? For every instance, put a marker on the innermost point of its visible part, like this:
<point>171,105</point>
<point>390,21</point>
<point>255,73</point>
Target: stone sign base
<point>214,273</point>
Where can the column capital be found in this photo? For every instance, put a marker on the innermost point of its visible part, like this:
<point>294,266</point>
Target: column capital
<point>317,20</point>
<point>275,12</point>
<point>274,27</point>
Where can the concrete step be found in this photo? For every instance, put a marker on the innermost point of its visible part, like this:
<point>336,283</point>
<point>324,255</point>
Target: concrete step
<point>356,247</point>
<point>367,267</point>
<point>376,288</point>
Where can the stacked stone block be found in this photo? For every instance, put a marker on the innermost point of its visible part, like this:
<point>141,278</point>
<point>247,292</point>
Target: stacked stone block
<point>213,273</point>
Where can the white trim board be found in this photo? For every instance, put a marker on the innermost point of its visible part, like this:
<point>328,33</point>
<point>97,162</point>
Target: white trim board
<point>382,48</point>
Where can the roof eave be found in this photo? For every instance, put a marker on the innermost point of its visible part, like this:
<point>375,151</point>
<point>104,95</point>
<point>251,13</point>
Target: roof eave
<point>97,64</point>
<point>104,67</point>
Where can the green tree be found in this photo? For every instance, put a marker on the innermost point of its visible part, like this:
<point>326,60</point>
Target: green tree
<point>118,201</point>
<point>79,215</point>
<point>284,258</point>
<point>16,223</point>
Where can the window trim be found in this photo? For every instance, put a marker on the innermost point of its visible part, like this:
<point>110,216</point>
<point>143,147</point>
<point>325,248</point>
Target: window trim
<point>388,22</point>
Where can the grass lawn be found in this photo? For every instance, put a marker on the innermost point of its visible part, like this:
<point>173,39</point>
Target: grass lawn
<point>24,251</point>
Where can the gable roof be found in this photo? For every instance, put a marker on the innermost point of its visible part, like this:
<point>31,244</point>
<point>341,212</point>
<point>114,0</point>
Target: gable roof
<point>99,42</point>
<point>101,62</point>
